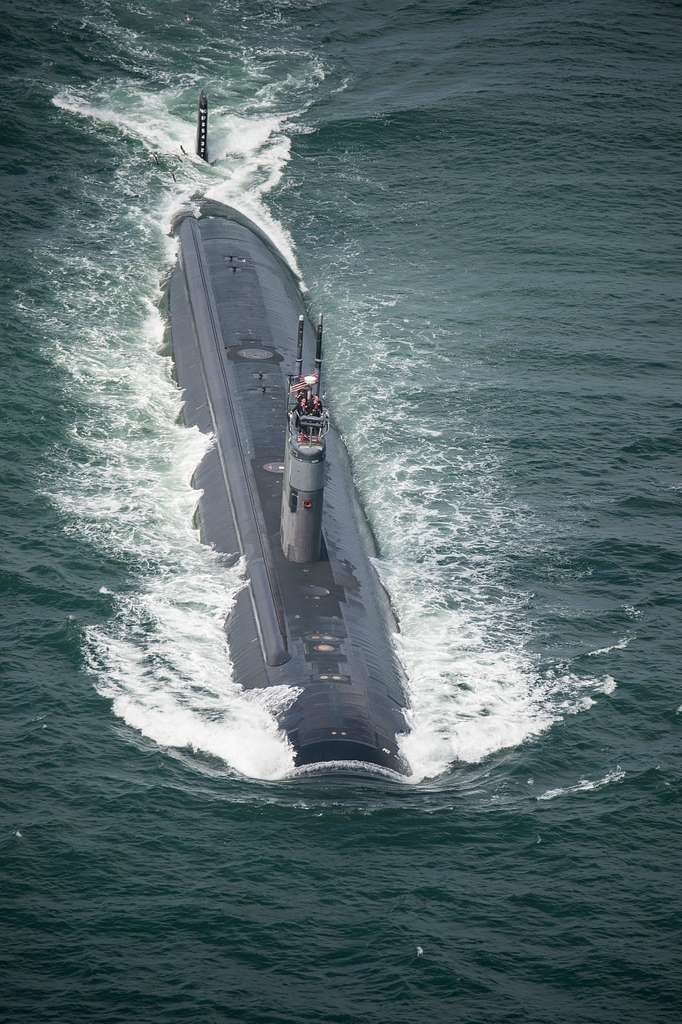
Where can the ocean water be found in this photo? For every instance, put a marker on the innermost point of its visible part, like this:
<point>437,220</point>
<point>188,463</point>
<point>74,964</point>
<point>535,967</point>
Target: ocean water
<point>484,200</point>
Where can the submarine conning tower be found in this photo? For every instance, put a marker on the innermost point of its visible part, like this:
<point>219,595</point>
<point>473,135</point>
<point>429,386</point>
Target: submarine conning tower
<point>304,461</point>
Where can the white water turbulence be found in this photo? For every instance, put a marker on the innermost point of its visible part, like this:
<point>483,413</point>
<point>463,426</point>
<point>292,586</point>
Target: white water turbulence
<point>162,658</point>
<point>447,525</point>
<point>584,785</point>
<point>474,688</point>
<point>248,152</point>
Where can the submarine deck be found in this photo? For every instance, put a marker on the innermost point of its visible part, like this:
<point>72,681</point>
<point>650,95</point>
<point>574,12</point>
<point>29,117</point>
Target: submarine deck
<point>323,628</point>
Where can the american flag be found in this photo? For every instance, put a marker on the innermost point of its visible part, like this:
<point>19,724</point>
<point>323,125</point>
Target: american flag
<point>297,384</point>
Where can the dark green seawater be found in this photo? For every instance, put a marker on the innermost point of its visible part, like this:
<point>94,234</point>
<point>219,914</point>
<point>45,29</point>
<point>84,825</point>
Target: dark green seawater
<point>484,198</point>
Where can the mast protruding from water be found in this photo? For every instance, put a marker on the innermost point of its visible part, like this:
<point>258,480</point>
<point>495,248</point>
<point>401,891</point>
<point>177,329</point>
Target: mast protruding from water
<point>202,127</point>
<point>318,354</point>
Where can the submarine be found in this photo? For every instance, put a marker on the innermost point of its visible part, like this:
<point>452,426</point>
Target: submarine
<point>276,491</point>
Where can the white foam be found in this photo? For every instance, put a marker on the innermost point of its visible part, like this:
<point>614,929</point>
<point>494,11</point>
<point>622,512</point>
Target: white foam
<point>606,685</point>
<point>138,115</point>
<point>584,785</point>
<point>248,153</point>
<point>185,707</point>
<point>620,646</point>
<point>262,150</point>
<point>447,526</point>
<point>352,767</point>
<point>163,660</point>
<point>467,700</point>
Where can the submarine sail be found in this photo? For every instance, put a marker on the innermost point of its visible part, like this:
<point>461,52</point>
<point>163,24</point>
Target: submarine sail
<point>276,489</point>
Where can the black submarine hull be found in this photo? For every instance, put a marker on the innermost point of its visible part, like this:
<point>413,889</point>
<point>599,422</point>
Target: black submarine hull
<point>322,628</point>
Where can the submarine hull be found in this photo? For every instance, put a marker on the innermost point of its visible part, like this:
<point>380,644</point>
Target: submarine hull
<point>323,628</point>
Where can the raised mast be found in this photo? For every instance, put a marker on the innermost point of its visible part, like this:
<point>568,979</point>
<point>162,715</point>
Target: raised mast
<point>202,127</point>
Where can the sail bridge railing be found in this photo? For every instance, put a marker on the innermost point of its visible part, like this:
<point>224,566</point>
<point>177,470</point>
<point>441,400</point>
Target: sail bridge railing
<point>308,429</point>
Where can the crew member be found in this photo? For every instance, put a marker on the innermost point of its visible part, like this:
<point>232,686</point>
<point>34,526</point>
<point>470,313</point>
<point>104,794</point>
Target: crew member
<point>316,411</point>
<point>301,410</point>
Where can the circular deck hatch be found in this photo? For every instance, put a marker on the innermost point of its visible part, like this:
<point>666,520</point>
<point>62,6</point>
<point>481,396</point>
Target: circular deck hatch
<point>254,353</point>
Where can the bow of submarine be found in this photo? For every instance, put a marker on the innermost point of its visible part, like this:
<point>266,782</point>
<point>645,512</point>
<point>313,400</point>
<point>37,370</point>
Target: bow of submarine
<point>321,631</point>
